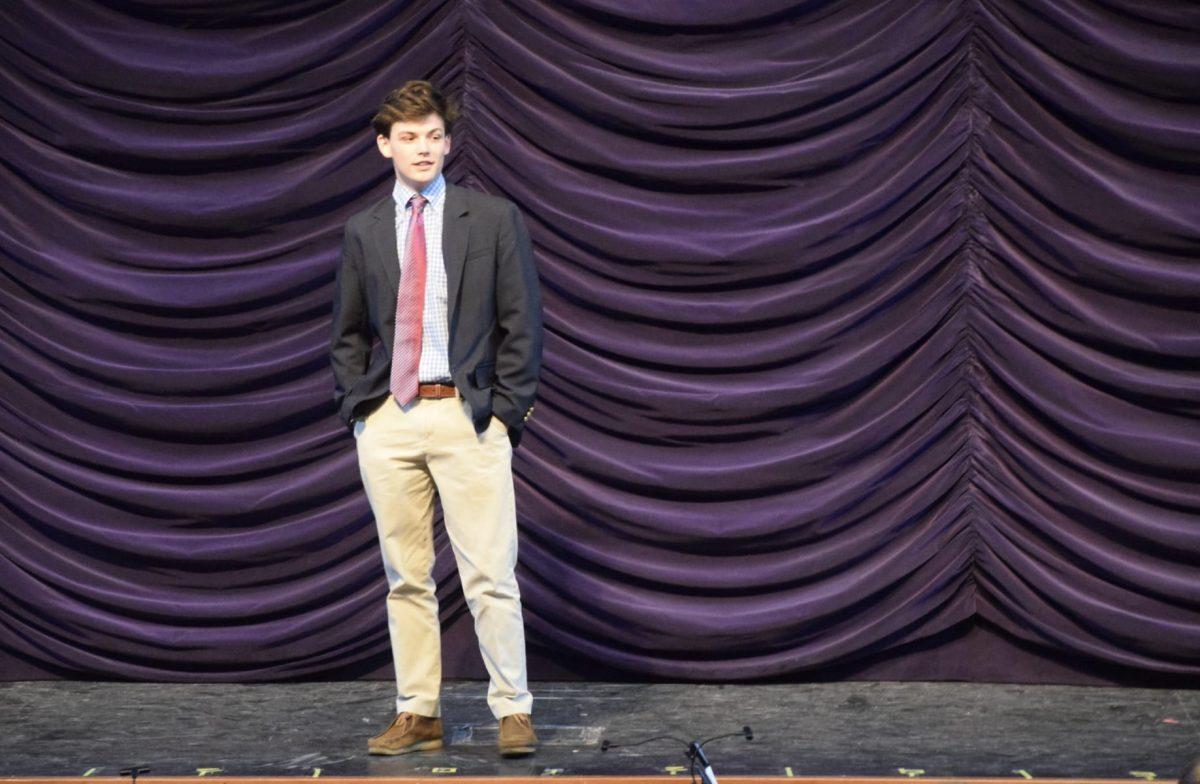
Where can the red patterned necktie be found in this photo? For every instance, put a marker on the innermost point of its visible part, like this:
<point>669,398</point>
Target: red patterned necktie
<point>410,309</point>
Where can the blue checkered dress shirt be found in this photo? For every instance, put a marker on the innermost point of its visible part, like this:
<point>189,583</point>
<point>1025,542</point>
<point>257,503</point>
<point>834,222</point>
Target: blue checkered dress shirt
<point>435,337</point>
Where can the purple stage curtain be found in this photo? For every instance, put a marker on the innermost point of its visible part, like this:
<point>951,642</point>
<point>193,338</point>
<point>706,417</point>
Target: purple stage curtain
<point>864,322</point>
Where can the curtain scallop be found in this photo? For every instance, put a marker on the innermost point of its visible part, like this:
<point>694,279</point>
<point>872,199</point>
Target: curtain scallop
<point>863,321</point>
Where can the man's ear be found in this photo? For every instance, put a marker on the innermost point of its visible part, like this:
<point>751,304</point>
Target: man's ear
<point>385,147</point>
<point>446,149</point>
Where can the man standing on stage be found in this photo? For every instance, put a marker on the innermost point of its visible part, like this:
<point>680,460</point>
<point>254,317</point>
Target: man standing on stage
<point>436,349</point>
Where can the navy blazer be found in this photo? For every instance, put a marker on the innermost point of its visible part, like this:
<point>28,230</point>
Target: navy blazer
<point>494,309</point>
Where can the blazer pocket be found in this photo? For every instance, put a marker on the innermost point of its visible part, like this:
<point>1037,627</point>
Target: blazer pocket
<point>484,375</point>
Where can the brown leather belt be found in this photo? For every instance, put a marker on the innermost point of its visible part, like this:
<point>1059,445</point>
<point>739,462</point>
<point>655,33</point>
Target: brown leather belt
<point>436,390</point>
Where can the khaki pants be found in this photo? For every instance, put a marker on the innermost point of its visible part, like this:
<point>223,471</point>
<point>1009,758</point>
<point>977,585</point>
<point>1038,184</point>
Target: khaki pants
<point>404,455</point>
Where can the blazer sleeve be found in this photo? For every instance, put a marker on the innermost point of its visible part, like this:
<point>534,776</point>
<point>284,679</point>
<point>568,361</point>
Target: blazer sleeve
<point>350,344</point>
<point>519,318</point>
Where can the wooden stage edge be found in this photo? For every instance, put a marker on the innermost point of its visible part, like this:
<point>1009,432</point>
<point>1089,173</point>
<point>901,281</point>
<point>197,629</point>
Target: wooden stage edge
<point>563,779</point>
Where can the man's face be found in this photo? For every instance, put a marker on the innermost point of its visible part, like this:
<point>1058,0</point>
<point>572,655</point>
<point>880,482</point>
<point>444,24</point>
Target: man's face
<point>417,149</point>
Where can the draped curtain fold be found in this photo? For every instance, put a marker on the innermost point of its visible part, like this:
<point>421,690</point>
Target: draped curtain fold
<point>863,321</point>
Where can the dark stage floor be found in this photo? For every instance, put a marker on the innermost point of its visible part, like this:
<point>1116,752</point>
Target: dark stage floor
<point>843,729</point>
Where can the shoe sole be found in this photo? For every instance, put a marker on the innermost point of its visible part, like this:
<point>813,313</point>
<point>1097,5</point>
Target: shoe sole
<point>425,745</point>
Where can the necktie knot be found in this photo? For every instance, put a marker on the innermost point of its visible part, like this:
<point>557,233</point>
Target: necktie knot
<point>418,203</point>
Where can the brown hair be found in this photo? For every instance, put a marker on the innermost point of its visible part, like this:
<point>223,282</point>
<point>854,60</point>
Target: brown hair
<point>413,101</point>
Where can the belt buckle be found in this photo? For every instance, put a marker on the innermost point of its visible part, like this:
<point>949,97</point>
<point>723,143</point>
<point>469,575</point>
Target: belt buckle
<point>436,391</point>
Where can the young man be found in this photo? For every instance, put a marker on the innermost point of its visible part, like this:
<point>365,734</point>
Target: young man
<point>436,349</point>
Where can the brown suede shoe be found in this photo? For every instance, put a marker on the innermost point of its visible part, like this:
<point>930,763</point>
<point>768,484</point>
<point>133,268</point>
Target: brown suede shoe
<point>517,738</point>
<point>408,732</point>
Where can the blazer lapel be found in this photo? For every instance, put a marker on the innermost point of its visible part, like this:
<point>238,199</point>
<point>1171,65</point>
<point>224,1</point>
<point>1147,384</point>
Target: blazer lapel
<point>454,246</point>
<point>383,234</point>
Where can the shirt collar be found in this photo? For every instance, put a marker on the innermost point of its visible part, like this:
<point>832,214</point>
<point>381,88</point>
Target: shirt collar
<point>433,192</point>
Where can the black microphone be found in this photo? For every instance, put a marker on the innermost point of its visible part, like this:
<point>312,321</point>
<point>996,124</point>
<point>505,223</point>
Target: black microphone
<point>706,771</point>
